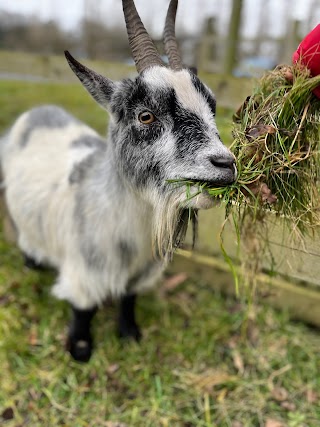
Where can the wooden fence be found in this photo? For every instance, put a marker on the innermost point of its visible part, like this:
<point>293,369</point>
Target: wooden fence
<point>295,280</point>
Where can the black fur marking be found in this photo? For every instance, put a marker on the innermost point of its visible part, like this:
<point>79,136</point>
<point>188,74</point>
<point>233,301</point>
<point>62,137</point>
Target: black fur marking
<point>195,226</point>
<point>134,139</point>
<point>79,342</point>
<point>186,215</point>
<point>200,87</point>
<point>47,116</point>
<point>127,324</point>
<point>191,133</point>
<point>134,97</point>
<point>120,99</point>
<point>32,264</point>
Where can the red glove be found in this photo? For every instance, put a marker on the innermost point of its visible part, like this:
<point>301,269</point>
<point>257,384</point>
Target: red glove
<point>308,53</point>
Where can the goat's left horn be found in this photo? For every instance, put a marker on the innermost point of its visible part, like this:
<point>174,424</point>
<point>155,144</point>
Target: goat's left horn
<point>144,52</point>
<point>169,37</point>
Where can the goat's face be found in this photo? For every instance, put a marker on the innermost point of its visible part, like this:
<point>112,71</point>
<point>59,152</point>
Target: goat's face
<point>164,129</point>
<point>163,122</point>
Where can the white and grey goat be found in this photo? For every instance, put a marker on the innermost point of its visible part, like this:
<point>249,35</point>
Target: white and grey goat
<point>99,210</point>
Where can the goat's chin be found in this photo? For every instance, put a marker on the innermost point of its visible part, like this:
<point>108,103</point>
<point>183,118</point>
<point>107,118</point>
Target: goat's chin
<point>169,223</point>
<point>202,201</point>
<point>197,200</point>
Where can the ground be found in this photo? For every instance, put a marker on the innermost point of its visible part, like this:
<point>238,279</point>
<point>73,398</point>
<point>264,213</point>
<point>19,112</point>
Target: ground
<point>204,360</point>
<point>201,362</point>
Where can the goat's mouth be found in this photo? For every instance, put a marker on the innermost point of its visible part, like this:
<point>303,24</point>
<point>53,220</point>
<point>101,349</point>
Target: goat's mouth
<point>206,183</point>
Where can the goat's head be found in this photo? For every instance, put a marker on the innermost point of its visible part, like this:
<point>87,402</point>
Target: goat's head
<point>162,122</point>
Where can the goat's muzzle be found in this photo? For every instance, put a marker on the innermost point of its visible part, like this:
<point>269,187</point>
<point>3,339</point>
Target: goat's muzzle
<point>224,168</point>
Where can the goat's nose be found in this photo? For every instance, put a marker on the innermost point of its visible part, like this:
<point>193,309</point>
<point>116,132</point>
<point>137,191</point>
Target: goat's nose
<point>225,162</point>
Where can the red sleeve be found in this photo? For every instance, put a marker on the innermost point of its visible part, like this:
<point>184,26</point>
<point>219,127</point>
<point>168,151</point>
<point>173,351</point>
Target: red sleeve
<point>308,53</point>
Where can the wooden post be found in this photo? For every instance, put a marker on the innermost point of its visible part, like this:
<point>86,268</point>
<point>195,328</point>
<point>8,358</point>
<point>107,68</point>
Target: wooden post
<point>207,55</point>
<point>301,302</point>
<point>230,58</point>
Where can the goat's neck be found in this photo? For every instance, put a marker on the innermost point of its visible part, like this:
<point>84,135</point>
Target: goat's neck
<point>114,195</point>
<point>149,213</point>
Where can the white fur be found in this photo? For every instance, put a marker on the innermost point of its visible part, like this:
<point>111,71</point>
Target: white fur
<point>36,182</point>
<point>187,95</point>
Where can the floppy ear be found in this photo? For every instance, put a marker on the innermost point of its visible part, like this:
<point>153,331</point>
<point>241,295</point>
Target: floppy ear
<point>99,87</point>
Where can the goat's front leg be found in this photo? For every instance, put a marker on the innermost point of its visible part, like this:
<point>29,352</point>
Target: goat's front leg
<point>127,325</point>
<point>80,342</point>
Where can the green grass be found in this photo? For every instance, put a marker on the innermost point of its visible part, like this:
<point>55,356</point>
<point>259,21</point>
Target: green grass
<point>55,67</point>
<point>16,97</point>
<point>276,144</point>
<point>194,366</point>
<point>201,362</point>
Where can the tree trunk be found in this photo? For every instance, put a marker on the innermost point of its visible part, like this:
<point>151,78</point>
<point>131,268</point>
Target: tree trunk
<point>233,37</point>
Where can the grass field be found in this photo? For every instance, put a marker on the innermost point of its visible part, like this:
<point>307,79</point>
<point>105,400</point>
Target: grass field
<point>204,361</point>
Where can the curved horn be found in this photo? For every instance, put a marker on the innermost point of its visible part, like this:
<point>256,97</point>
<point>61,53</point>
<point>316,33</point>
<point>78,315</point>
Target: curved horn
<point>144,52</point>
<point>169,37</point>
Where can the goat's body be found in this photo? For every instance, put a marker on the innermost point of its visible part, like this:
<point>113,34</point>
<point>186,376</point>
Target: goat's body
<point>100,210</point>
<point>67,213</point>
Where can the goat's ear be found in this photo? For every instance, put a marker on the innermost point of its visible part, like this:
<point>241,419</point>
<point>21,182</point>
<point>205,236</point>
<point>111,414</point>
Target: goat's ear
<point>99,87</point>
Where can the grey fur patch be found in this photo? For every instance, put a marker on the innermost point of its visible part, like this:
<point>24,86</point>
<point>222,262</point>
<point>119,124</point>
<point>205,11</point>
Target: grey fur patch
<point>47,116</point>
<point>186,216</point>
<point>80,170</point>
<point>93,257</point>
<point>89,141</point>
<point>127,252</point>
<point>96,259</point>
<point>144,273</point>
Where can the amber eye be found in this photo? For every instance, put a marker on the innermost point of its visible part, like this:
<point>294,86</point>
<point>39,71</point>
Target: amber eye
<point>146,117</point>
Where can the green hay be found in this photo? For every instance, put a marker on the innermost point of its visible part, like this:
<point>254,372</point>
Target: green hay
<point>276,142</point>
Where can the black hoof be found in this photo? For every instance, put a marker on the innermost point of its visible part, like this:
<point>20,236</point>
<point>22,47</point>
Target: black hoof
<point>80,343</point>
<point>130,332</point>
<point>31,263</point>
<point>80,349</point>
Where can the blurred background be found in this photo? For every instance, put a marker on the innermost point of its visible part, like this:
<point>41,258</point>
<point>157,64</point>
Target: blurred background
<point>239,37</point>
<point>206,360</point>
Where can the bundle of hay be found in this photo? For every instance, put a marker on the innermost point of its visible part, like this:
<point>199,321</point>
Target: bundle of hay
<point>277,148</point>
<point>276,143</point>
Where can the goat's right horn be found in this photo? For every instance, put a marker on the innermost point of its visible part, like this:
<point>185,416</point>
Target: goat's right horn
<point>144,52</point>
<point>169,37</point>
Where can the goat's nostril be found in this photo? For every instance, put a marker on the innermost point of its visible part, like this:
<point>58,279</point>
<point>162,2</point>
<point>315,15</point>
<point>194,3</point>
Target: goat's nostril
<point>223,162</point>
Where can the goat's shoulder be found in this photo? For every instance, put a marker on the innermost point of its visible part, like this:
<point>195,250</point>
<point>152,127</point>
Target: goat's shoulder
<point>52,140</point>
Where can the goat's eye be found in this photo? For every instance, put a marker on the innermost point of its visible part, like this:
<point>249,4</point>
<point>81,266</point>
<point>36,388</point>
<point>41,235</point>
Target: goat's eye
<point>146,117</point>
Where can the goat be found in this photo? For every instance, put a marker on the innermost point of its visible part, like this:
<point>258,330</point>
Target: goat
<point>99,210</point>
